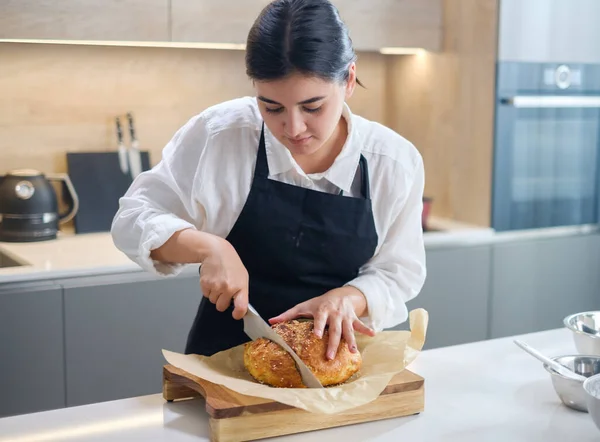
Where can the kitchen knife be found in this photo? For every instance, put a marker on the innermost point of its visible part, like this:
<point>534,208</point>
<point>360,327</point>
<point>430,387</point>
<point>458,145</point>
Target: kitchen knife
<point>123,163</point>
<point>256,327</point>
<point>135,159</point>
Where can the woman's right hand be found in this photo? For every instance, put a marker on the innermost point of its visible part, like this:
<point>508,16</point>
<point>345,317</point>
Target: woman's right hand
<point>223,277</point>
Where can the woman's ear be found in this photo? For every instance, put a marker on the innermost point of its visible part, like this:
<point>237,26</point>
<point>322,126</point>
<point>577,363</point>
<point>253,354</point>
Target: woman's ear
<point>351,83</point>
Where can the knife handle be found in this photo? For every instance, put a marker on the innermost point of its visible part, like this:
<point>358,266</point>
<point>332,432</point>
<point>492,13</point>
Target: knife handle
<point>131,128</point>
<point>119,130</point>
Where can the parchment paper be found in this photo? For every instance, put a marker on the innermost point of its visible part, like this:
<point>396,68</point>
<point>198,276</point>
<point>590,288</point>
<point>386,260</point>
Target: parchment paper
<point>384,355</point>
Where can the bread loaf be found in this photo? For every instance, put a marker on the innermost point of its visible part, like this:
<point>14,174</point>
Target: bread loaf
<point>270,364</point>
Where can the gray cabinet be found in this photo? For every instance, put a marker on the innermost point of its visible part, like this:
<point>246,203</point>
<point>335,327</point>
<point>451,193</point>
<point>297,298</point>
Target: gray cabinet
<point>455,294</point>
<point>125,20</point>
<point>115,330</point>
<point>538,282</point>
<point>32,376</point>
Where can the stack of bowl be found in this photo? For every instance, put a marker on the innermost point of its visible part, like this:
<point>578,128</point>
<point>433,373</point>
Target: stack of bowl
<point>583,396</point>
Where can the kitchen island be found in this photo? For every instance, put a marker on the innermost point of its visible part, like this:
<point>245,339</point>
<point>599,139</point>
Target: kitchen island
<point>483,391</point>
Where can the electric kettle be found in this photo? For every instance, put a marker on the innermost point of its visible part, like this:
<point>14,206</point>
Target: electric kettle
<point>29,206</point>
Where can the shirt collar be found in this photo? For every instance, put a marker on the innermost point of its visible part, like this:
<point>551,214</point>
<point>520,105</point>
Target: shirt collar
<point>342,171</point>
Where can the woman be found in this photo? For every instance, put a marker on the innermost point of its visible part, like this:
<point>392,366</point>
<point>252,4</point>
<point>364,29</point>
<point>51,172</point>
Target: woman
<point>286,200</point>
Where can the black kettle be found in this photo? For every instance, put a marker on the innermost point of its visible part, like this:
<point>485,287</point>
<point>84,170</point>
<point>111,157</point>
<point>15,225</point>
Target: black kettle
<point>29,206</point>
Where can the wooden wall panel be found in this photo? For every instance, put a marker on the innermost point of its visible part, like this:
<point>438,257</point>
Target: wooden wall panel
<point>85,19</point>
<point>444,103</point>
<point>64,98</point>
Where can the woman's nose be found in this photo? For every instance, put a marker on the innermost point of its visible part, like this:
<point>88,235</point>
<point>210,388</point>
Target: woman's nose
<point>294,124</point>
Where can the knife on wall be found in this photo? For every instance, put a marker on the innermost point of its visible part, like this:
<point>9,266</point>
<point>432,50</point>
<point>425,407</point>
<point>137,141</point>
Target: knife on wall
<point>123,161</point>
<point>256,327</point>
<point>135,159</point>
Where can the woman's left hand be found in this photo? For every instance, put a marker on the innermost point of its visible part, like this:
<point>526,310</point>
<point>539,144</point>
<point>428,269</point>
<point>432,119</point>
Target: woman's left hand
<point>339,308</point>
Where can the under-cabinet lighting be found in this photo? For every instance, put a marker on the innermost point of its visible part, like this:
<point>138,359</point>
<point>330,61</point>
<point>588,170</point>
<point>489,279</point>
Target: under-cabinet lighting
<point>180,44</point>
<point>401,51</point>
<point>149,44</point>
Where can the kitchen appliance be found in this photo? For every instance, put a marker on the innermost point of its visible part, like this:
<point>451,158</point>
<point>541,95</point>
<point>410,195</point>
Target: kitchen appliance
<point>547,125</point>
<point>29,205</point>
<point>256,327</point>
<point>236,417</point>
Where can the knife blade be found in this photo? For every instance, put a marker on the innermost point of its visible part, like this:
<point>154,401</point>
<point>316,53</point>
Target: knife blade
<point>256,327</point>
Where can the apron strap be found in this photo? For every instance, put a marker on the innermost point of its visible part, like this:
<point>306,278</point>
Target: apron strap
<point>365,187</point>
<point>262,166</point>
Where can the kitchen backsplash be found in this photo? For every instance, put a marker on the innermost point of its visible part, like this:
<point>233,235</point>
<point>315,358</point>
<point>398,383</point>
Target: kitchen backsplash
<point>60,98</point>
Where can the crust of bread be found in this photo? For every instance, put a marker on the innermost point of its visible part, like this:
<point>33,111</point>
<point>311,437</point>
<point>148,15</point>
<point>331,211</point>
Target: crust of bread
<point>270,364</point>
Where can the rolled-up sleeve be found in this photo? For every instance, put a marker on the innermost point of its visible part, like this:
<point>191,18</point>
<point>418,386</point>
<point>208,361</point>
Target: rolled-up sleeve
<point>160,202</point>
<point>396,273</point>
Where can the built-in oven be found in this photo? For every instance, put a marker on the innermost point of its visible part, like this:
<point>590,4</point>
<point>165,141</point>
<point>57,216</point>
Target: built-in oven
<point>547,118</point>
<point>547,145</point>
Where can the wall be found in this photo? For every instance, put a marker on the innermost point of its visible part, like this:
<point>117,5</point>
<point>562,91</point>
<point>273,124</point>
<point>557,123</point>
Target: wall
<point>58,98</point>
<point>444,103</point>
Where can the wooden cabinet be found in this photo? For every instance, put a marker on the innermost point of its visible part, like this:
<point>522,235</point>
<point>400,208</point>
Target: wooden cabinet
<point>32,376</point>
<point>372,25</point>
<point>115,330</point>
<point>125,20</point>
<point>400,23</point>
<point>455,295</point>
<point>209,21</point>
<point>539,282</point>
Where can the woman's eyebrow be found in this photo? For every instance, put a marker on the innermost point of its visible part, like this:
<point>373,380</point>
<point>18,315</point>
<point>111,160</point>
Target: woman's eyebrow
<point>310,100</point>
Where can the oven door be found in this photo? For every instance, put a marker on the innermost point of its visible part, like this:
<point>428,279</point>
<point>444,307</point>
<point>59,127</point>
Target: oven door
<point>546,161</point>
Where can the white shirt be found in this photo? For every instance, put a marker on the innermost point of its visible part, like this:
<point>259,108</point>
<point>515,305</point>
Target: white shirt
<point>204,178</point>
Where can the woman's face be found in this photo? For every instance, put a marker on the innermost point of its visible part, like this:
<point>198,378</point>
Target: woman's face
<point>303,112</point>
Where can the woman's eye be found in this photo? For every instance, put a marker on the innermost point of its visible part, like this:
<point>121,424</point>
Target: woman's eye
<point>312,110</point>
<point>275,110</point>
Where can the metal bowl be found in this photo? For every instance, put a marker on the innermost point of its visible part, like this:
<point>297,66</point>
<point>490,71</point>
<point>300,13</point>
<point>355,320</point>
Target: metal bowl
<point>591,386</point>
<point>570,391</point>
<point>583,325</point>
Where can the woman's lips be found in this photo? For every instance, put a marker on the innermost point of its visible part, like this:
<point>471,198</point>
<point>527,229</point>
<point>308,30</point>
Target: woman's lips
<point>299,141</point>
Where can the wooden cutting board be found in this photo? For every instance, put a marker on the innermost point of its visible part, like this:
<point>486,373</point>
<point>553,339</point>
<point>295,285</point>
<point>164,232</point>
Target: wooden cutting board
<point>238,418</point>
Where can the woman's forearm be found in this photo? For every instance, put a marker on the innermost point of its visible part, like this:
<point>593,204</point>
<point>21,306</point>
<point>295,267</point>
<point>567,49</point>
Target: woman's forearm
<point>186,246</point>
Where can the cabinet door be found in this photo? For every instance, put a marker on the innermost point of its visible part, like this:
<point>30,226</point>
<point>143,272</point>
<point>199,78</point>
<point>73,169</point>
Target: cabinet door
<point>115,331</point>
<point>455,295</point>
<point>399,23</point>
<point>413,23</point>
<point>32,376</point>
<point>127,20</point>
<point>539,282</point>
<point>209,21</point>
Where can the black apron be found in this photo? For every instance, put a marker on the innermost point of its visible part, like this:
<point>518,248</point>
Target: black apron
<point>296,244</point>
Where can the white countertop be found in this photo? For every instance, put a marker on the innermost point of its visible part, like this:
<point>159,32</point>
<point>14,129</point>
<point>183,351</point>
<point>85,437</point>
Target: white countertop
<point>68,255</point>
<point>485,391</point>
<point>95,254</point>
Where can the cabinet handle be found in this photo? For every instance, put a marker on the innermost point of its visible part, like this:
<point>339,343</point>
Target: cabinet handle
<point>564,101</point>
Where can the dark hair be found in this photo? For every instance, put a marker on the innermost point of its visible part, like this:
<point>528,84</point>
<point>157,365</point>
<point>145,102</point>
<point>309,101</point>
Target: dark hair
<point>304,36</point>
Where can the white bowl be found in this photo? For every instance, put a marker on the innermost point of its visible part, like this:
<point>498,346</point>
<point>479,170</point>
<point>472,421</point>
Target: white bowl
<point>586,343</point>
